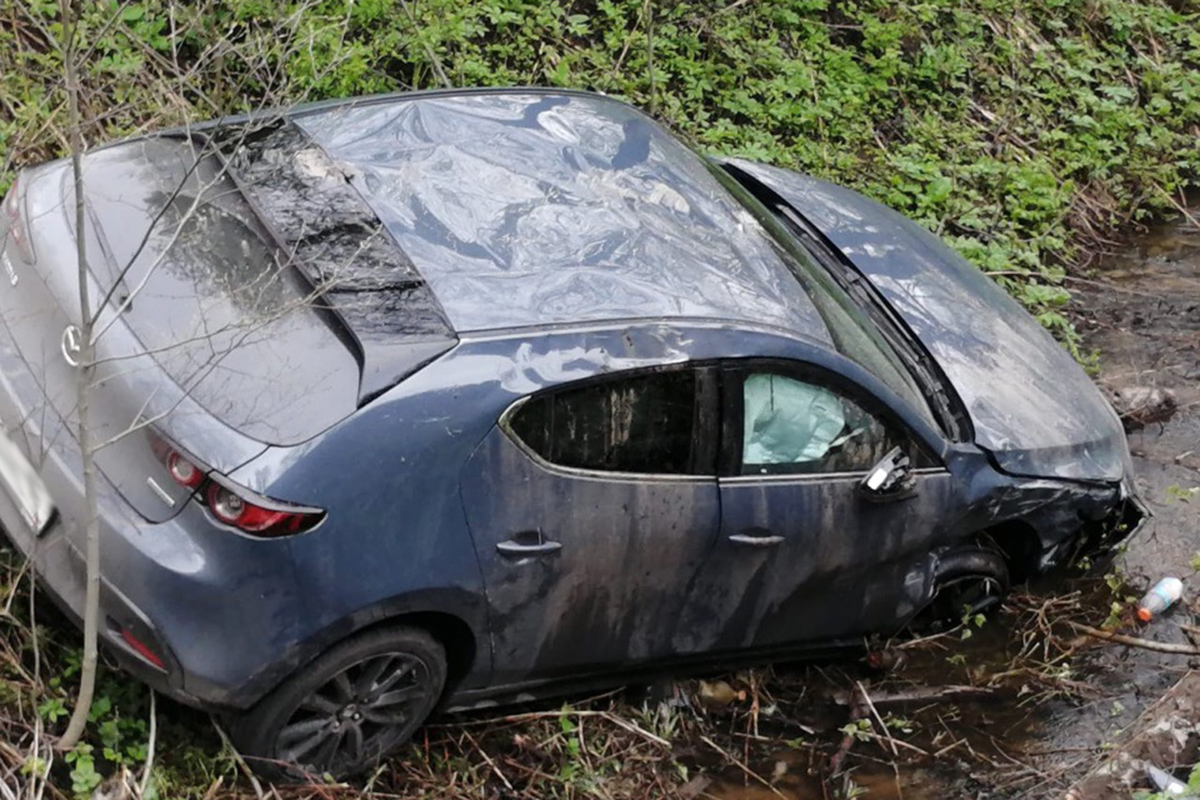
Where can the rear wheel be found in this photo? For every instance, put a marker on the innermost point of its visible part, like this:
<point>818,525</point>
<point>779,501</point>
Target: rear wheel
<point>346,710</point>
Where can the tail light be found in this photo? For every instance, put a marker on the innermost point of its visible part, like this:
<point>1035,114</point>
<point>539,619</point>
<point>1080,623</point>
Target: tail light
<point>235,505</point>
<point>183,471</point>
<point>18,229</point>
<point>258,515</point>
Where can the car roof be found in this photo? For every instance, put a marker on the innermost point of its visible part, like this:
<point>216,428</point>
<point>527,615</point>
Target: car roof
<point>529,207</point>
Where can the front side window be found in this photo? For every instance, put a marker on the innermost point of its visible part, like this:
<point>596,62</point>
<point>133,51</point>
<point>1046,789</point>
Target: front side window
<point>792,426</point>
<point>642,424</point>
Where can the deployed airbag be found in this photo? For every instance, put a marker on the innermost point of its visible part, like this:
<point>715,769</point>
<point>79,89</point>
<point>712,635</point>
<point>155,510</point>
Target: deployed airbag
<point>788,421</point>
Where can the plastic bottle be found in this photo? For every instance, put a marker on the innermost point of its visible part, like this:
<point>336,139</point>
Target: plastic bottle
<point>1160,598</point>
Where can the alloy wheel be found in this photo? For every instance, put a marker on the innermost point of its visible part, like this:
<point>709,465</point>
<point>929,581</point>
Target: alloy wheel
<point>967,596</point>
<point>357,714</point>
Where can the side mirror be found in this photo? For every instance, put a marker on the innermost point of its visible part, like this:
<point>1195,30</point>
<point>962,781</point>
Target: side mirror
<point>890,479</point>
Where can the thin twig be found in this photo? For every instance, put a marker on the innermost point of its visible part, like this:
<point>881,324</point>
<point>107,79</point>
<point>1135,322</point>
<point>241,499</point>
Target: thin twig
<point>144,783</point>
<point>490,763</point>
<point>1133,641</point>
<point>241,762</point>
<point>648,13</point>
<point>633,728</point>
<point>875,713</point>
<point>434,60</point>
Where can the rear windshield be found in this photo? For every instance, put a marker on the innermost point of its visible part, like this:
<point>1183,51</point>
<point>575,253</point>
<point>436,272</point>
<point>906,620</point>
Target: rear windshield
<point>202,290</point>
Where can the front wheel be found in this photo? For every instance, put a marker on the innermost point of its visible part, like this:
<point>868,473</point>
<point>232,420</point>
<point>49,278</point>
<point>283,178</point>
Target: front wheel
<point>342,713</point>
<point>971,579</point>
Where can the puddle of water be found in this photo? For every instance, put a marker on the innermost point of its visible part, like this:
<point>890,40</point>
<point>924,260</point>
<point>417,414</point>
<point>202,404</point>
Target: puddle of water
<point>873,781</point>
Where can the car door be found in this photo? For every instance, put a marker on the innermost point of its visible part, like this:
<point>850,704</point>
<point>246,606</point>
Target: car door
<point>592,507</point>
<point>802,554</point>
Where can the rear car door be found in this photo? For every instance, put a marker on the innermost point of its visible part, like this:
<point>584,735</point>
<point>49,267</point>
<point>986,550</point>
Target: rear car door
<point>592,508</point>
<point>802,555</point>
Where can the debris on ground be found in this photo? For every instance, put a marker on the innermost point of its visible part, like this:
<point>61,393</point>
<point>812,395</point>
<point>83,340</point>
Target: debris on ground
<point>1166,734</point>
<point>1139,406</point>
<point>718,695</point>
<point>1161,596</point>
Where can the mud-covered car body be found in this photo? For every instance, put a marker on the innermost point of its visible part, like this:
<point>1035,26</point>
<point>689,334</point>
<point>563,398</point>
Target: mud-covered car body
<point>538,444</point>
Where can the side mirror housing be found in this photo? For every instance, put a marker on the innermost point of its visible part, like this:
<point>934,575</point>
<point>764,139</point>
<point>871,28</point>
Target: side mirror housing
<point>892,478</point>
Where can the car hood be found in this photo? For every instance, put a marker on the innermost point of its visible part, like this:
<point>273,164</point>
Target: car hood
<point>1032,406</point>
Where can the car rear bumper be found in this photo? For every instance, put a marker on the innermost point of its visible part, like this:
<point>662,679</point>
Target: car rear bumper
<point>218,608</point>
<point>61,573</point>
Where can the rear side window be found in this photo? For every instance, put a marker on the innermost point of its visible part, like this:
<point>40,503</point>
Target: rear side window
<point>643,424</point>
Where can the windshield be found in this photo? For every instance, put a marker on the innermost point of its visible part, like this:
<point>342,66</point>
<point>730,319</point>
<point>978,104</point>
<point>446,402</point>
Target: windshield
<point>854,334</point>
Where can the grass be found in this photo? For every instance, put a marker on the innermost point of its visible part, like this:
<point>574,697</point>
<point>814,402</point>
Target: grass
<point>1028,134</point>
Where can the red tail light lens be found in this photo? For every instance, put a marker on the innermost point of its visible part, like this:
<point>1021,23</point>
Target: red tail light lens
<point>18,231</point>
<point>183,471</point>
<point>231,504</point>
<point>275,519</point>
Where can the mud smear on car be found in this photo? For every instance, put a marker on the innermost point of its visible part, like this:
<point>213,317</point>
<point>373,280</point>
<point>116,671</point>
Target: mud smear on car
<point>1053,705</point>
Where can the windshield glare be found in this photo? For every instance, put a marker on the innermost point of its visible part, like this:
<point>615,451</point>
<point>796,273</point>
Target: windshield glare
<point>853,332</point>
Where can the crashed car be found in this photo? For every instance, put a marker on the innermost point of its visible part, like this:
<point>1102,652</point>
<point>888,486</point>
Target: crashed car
<point>443,400</point>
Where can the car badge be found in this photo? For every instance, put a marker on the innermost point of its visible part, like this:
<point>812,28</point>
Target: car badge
<point>72,341</point>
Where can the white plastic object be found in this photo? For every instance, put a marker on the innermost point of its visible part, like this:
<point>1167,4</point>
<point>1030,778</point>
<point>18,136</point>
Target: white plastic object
<point>1166,783</point>
<point>1164,595</point>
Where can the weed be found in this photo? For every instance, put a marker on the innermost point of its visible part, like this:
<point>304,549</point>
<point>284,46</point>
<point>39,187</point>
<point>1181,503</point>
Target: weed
<point>859,729</point>
<point>969,619</point>
<point>1180,494</point>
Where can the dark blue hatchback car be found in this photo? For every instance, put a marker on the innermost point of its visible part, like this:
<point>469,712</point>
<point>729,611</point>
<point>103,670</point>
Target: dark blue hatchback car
<point>450,399</point>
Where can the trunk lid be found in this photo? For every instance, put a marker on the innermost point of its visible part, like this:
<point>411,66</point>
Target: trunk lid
<point>1031,405</point>
<point>211,344</point>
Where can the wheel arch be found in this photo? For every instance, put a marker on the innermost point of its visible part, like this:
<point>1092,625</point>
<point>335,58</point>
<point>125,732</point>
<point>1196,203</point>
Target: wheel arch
<point>1018,541</point>
<point>449,630</point>
<point>456,618</point>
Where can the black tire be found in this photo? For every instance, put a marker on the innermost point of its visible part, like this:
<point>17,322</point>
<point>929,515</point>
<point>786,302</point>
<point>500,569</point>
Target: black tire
<point>971,579</point>
<point>347,709</point>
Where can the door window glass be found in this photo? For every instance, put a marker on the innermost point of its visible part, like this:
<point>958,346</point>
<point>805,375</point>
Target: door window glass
<point>642,424</point>
<point>790,426</point>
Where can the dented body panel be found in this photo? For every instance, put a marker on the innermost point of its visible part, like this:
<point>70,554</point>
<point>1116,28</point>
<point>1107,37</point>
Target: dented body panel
<point>546,576</point>
<point>1033,407</point>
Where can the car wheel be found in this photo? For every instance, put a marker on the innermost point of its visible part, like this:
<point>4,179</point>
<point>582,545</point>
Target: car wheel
<point>970,580</point>
<point>342,713</point>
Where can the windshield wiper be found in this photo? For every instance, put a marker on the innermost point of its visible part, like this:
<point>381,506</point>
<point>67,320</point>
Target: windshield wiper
<point>920,365</point>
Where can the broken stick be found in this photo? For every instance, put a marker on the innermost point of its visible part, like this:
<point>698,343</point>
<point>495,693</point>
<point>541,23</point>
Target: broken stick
<point>1134,641</point>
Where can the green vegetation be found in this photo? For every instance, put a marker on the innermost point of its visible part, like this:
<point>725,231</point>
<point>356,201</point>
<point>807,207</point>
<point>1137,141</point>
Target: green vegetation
<point>1193,786</point>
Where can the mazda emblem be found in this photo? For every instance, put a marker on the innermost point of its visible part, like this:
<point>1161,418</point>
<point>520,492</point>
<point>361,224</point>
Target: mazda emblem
<point>72,342</point>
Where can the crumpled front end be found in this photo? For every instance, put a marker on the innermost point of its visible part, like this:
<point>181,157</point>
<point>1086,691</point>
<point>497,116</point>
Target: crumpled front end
<point>1032,407</point>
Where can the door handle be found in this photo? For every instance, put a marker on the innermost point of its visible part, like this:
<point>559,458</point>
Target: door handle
<point>514,548</point>
<point>755,541</point>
